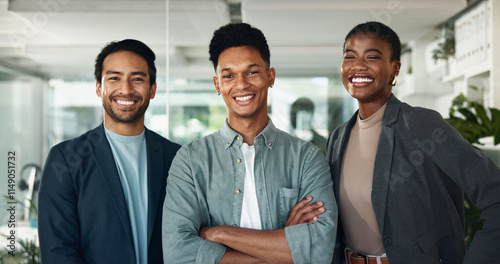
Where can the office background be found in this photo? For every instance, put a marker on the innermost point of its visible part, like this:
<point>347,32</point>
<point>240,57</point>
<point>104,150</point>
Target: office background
<point>47,51</point>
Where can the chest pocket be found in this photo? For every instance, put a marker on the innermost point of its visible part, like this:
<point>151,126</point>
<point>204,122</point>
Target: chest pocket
<point>288,197</point>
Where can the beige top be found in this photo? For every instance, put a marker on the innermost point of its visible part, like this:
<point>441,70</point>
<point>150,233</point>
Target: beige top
<point>356,177</point>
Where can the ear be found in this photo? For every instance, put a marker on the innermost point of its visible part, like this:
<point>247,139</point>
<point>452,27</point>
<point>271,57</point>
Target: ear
<point>271,75</point>
<point>152,91</point>
<point>98,89</point>
<point>216,84</point>
<point>397,66</point>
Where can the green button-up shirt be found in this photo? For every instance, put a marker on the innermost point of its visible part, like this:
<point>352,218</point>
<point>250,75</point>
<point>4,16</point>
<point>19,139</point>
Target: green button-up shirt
<point>205,188</point>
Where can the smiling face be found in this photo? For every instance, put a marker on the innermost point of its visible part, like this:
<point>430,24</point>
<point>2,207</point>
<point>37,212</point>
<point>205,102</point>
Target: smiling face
<point>125,89</point>
<point>368,70</point>
<point>243,79</point>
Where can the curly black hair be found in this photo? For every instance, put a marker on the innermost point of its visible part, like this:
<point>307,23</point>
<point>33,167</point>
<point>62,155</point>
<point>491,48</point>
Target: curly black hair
<point>237,35</point>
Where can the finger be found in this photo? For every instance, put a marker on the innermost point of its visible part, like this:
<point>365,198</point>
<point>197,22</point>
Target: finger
<point>305,214</point>
<point>299,205</point>
<point>302,203</point>
<point>310,207</point>
<point>313,215</point>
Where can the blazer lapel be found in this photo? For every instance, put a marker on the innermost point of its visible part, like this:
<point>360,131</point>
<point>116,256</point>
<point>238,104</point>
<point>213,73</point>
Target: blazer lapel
<point>339,151</point>
<point>383,161</point>
<point>155,178</point>
<point>107,166</point>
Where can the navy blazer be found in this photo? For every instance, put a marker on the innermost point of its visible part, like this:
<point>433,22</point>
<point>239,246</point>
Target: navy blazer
<point>82,213</point>
<point>422,165</point>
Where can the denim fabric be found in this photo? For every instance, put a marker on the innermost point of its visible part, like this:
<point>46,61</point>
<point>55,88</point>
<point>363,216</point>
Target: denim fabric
<point>205,188</point>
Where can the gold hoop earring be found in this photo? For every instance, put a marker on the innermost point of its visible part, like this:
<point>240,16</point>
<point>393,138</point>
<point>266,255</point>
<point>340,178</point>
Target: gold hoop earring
<point>395,80</point>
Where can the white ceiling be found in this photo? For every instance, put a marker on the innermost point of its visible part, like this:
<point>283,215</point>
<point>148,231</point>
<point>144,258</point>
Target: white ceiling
<point>60,38</point>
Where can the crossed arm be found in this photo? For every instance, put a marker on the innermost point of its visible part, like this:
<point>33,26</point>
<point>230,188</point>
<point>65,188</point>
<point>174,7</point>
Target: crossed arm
<point>261,246</point>
<point>189,211</point>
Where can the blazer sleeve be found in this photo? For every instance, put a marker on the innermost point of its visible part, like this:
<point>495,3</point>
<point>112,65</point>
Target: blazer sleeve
<point>475,173</point>
<point>182,218</point>
<point>58,224</point>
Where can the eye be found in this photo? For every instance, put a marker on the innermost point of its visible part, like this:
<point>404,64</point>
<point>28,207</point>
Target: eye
<point>137,79</point>
<point>374,57</point>
<point>113,78</point>
<point>253,72</point>
<point>227,76</point>
<point>348,57</point>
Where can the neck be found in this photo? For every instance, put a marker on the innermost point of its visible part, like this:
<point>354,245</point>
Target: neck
<point>248,128</point>
<point>368,109</point>
<point>125,129</point>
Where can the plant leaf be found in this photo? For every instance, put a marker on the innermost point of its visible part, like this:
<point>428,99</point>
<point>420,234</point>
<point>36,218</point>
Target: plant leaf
<point>481,113</point>
<point>469,115</point>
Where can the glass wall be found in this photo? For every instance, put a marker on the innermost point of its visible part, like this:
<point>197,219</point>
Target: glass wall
<point>307,107</point>
<point>22,135</point>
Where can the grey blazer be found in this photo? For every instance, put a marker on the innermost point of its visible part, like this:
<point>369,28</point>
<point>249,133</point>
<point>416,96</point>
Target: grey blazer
<point>422,167</point>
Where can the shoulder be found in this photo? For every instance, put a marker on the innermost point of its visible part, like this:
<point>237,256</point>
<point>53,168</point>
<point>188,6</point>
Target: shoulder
<point>202,145</point>
<point>294,144</point>
<point>159,139</point>
<point>94,137</point>
<point>419,117</point>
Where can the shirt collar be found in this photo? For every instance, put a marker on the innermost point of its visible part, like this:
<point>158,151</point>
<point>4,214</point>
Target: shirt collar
<point>267,136</point>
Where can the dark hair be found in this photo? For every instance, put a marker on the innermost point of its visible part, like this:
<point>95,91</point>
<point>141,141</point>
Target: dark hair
<point>377,29</point>
<point>131,45</point>
<point>237,35</point>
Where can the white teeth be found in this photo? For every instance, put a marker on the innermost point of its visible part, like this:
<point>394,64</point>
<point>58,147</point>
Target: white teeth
<point>244,98</point>
<point>362,80</point>
<point>125,102</point>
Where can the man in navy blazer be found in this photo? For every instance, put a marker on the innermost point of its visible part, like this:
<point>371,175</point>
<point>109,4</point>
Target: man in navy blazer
<point>101,194</point>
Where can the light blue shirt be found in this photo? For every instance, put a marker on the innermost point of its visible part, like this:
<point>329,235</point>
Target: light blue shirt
<point>205,188</point>
<point>130,157</point>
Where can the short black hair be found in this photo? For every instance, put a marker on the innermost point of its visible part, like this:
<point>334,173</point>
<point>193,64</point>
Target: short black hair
<point>377,29</point>
<point>131,45</point>
<point>237,35</point>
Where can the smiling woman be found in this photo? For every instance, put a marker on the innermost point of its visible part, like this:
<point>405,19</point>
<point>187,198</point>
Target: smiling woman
<point>369,68</point>
<point>396,166</point>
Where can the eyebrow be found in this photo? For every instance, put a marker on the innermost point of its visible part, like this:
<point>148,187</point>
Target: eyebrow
<point>133,73</point>
<point>366,51</point>
<point>248,67</point>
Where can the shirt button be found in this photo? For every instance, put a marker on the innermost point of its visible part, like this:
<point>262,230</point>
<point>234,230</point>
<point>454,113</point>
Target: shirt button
<point>238,191</point>
<point>234,225</point>
<point>238,160</point>
<point>238,138</point>
<point>387,242</point>
<point>227,144</point>
<point>269,144</point>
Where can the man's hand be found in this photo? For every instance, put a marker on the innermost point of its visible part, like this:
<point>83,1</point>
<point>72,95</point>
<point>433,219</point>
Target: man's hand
<point>207,232</point>
<point>303,212</point>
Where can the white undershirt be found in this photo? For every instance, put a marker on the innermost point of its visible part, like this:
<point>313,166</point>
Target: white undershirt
<point>250,216</point>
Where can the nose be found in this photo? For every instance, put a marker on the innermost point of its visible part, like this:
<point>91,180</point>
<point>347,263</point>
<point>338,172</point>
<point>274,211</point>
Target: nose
<point>359,64</point>
<point>127,87</point>
<point>241,82</point>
